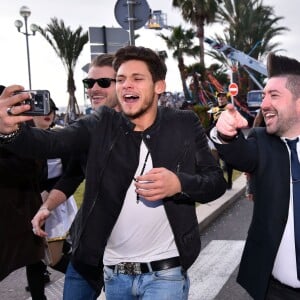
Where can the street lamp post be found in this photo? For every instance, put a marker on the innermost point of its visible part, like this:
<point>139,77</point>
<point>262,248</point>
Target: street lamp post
<point>25,13</point>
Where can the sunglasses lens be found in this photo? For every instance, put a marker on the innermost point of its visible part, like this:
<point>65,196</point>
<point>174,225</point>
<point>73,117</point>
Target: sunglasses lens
<point>88,83</point>
<point>104,82</point>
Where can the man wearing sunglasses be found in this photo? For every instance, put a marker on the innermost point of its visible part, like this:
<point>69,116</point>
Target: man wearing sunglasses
<point>100,84</point>
<point>100,87</point>
<point>147,167</point>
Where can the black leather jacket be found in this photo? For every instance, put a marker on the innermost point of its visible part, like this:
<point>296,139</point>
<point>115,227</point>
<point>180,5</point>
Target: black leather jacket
<point>176,141</point>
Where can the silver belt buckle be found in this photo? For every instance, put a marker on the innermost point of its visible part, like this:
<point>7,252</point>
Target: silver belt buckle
<point>129,268</point>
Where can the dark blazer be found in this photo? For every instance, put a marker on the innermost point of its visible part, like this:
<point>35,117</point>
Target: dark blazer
<point>266,157</point>
<point>176,141</point>
<point>19,201</point>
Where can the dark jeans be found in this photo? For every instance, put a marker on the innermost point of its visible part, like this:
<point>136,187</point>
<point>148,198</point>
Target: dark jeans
<point>279,291</point>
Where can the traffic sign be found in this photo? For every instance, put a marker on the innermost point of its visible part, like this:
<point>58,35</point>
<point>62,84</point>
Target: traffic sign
<point>110,35</point>
<point>140,13</point>
<point>233,89</point>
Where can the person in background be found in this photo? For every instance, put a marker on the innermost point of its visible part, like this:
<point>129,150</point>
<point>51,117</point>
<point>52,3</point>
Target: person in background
<point>20,200</point>
<point>100,82</point>
<point>101,90</point>
<point>215,113</point>
<point>270,264</point>
<point>59,221</point>
<point>138,216</point>
<point>187,105</point>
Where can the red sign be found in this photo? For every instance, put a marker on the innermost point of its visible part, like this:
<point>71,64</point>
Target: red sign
<point>233,89</point>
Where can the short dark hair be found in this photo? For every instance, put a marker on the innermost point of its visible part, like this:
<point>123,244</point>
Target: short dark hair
<point>283,66</point>
<point>102,60</point>
<point>155,64</point>
<point>279,65</point>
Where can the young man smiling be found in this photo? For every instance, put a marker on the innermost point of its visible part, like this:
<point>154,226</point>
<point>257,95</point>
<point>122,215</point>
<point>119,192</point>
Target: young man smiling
<point>146,168</point>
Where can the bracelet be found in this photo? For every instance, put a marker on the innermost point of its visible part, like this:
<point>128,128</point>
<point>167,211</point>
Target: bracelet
<point>7,138</point>
<point>44,207</point>
<point>226,138</point>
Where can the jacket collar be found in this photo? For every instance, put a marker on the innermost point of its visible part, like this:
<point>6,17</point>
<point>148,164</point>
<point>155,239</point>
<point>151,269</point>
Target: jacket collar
<point>129,125</point>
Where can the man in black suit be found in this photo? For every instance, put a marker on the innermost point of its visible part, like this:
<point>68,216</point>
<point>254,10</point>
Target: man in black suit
<point>268,268</point>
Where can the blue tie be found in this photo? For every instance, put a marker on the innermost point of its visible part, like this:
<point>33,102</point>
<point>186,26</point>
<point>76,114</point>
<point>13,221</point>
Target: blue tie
<point>295,166</point>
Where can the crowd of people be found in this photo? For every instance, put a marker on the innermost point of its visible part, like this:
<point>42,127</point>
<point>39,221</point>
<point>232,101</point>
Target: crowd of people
<point>136,233</point>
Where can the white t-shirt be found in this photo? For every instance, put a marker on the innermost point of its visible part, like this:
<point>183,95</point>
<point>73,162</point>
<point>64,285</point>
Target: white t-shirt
<point>142,232</point>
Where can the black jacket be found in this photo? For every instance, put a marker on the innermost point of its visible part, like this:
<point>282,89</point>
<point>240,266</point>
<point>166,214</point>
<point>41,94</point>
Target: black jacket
<point>20,199</point>
<point>266,157</point>
<point>176,141</point>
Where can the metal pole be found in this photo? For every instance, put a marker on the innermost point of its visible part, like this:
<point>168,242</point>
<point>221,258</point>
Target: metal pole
<point>104,39</point>
<point>28,56</point>
<point>131,20</point>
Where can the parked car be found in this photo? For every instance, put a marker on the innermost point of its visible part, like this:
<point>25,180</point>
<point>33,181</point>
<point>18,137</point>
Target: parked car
<point>254,99</point>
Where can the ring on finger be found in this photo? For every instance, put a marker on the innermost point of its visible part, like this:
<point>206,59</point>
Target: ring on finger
<point>9,111</point>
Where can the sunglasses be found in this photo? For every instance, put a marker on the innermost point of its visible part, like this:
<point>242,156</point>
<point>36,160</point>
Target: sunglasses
<point>88,83</point>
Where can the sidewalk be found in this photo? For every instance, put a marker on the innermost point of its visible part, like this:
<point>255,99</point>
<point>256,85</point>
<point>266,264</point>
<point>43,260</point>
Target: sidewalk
<point>206,213</point>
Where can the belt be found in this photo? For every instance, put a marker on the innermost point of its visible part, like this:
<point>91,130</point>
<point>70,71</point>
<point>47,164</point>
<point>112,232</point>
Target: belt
<point>278,283</point>
<point>136,268</point>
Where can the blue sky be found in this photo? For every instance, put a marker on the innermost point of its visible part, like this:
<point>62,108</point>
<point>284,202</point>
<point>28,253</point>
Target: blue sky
<point>47,71</point>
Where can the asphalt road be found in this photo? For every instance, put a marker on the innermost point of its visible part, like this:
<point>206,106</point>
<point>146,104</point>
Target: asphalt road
<point>231,226</point>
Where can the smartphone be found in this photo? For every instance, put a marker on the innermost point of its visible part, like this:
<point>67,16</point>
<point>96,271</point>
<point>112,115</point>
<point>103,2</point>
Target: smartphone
<point>39,102</point>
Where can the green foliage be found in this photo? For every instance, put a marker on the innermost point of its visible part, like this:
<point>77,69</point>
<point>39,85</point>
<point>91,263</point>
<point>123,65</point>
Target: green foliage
<point>201,111</point>
<point>198,13</point>
<point>78,195</point>
<point>248,26</point>
<point>181,42</point>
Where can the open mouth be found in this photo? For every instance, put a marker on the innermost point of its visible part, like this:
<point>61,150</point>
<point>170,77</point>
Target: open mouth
<point>130,98</point>
<point>269,116</point>
<point>98,97</point>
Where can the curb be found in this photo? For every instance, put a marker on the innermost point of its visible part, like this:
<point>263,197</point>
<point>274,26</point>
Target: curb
<point>206,213</point>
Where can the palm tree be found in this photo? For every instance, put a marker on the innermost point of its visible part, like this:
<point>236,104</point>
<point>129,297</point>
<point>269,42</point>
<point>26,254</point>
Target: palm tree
<point>198,13</point>
<point>250,27</point>
<point>248,22</point>
<point>203,91</point>
<point>67,45</point>
<point>181,42</point>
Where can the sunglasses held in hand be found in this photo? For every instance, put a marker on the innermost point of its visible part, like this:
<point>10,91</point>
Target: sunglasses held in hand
<point>88,83</point>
